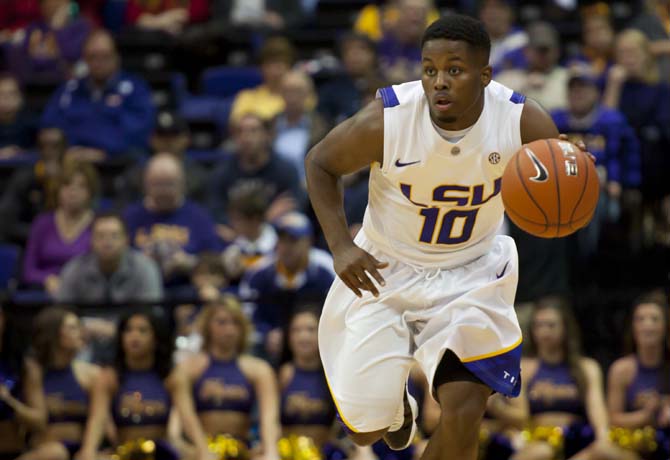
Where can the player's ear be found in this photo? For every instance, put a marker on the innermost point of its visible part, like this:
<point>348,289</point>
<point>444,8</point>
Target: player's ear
<point>486,75</point>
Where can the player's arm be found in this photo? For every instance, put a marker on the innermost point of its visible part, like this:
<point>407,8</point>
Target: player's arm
<point>537,124</point>
<point>349,147</point>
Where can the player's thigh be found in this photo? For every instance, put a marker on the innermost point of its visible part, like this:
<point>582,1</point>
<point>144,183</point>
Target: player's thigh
<point>475,319</point>
<point>364,348</point>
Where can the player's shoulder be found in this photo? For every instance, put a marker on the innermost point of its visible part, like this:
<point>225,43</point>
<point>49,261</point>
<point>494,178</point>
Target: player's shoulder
<point>503,94</point>
<point>401,94</point>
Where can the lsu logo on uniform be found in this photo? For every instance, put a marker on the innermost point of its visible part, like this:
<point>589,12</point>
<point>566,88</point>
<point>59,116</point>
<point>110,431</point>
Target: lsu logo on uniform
<point>455,225</point>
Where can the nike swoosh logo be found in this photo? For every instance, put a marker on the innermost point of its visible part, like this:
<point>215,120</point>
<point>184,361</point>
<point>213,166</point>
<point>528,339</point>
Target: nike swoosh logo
<point>540,169</point>
<point>402,165</point>
<point>498,276</point>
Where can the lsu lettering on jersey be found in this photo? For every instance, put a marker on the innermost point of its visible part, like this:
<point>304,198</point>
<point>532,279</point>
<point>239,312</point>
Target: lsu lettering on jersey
<point>433,203</point>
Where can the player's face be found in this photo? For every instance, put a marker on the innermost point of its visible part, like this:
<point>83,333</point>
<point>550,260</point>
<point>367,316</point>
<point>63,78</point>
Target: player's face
<point>648,325</point>
<point>453,78</point>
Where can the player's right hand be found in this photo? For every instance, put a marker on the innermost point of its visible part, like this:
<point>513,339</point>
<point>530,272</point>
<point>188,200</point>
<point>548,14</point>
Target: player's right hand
<point>355,266</point>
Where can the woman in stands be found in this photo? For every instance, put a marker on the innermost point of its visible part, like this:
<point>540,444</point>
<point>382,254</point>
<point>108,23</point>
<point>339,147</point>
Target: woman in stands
<point>139,392</point>
<point>227,384</point>
<point>18,376</point>
<point>59,235</point>
<point>638,385</point>
<point>307,409</point>
<point>562,395</point>
<point>67,383</point>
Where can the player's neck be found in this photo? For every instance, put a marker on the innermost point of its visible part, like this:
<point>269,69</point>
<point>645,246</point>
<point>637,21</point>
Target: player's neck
<point>467,119</point>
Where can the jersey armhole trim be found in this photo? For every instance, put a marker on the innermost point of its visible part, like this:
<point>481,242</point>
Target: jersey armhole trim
<point>517,98</point>
<point>389,97</point>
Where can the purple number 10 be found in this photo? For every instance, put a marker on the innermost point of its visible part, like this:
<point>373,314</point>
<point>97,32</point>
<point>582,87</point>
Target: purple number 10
<point>431,216</point>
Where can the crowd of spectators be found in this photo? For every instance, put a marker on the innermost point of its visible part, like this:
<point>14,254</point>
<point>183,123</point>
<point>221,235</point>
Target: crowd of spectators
<point>151,155</point>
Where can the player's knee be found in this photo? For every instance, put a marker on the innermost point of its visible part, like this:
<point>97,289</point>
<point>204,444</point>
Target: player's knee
<point>462,416</point>
<point>366,439</point>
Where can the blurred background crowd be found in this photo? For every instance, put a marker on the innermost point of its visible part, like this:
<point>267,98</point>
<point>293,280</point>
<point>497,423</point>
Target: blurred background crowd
<point>151,156</point>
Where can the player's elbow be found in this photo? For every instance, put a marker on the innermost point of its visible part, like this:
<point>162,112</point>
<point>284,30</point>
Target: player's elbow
<point>312,166</point>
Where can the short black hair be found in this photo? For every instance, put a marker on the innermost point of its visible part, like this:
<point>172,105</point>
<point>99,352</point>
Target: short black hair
<point>109,214</point>
<point>459,27</point>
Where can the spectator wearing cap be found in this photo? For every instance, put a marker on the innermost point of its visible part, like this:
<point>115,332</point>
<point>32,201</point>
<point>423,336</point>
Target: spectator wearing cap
<point>17,127</point>
<point>297,273</point>
<point>253,161</point>
<point>165,225</point>
<point>507,40</point>
<point>276,58</point>
<point>344,94</point>
<point>106,114</point>
<point>299,127</point>
<point>400,48</point>
<point>50,46</point>
<point>609,137</point>
<point>171,135</point>
<point>605,131</point>
<point>30,189</point>
<point>544,80</point>
<point>111,272</point>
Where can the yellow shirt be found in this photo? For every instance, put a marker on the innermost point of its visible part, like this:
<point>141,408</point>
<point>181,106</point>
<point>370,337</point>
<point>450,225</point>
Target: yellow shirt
<point>260,101</point>
<point>372,20</point>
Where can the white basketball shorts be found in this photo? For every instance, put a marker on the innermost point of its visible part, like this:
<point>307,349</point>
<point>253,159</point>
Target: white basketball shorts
<point>368,344</point>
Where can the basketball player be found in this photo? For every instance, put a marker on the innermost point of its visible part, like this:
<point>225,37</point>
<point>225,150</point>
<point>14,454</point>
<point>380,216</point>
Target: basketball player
<point>440,283</point>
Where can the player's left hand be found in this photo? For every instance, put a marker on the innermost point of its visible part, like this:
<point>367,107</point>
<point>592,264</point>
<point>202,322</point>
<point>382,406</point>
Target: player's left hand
<point>580,144</point>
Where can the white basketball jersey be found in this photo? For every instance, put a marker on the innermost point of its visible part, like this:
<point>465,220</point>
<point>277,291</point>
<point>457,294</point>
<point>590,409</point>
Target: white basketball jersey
<point>433,203</point>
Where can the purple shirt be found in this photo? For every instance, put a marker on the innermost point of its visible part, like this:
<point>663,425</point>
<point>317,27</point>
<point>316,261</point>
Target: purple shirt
<point>69,41</point>
<point>47,252</point>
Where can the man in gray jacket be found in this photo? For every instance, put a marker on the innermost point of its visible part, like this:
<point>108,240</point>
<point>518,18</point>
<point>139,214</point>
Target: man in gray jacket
<point>111,272</point>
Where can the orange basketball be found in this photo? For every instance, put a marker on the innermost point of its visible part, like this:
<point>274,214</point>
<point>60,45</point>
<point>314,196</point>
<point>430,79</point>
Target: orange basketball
<point>550,188</point>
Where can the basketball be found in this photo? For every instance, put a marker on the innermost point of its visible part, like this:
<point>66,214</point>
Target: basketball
<point>550,188</point>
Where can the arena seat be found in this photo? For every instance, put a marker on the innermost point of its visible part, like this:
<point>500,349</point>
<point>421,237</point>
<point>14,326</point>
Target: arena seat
<point>225,81</point>
<point>10,258</point>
